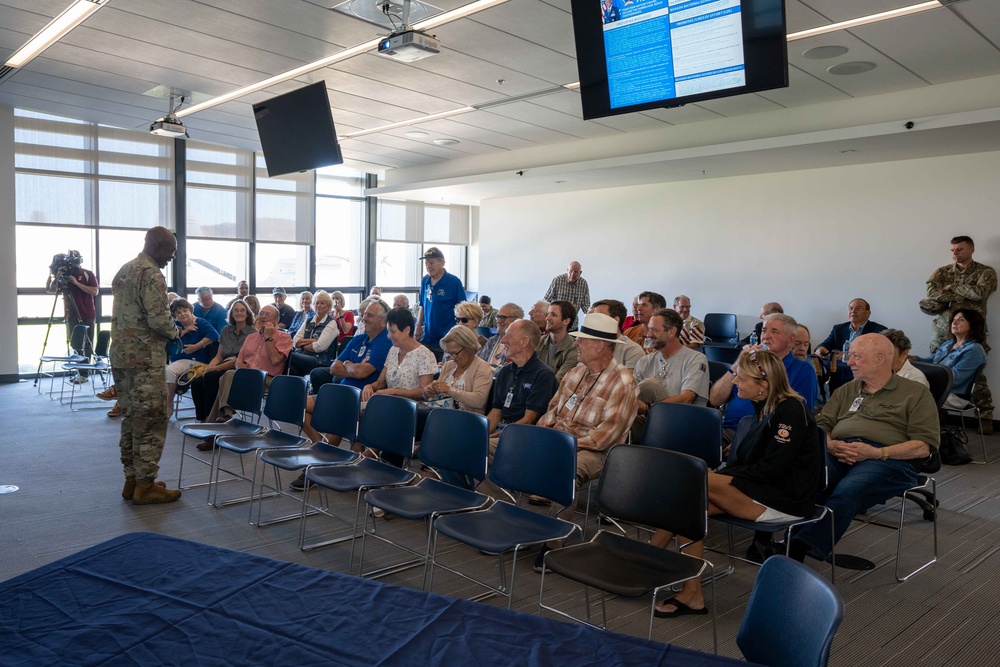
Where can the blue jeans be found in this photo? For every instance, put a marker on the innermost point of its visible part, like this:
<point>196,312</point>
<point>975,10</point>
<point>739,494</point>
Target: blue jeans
<point>854,489</point>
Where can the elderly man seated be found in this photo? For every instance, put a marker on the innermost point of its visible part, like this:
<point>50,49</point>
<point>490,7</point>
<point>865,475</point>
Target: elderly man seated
<point>596,401</point>
<point>842,335</point>
<point>880,427</point>
<point>629,352</point>
<point>693,333</point>
<point>494,352</point>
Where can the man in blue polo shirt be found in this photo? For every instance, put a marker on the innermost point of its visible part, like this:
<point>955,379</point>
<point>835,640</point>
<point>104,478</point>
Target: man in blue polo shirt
<point>208,309</point>
<point>777,335</point>
<point>440,291</point>
<point>359,364</point>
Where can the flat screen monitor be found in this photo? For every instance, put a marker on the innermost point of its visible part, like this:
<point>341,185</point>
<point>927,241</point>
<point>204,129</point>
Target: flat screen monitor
<point>635,55</point>
<point>296,131</point>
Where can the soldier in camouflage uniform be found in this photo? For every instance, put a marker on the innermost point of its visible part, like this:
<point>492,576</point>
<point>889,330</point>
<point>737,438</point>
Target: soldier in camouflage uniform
<point>141,325</point>
<point>964,284</point>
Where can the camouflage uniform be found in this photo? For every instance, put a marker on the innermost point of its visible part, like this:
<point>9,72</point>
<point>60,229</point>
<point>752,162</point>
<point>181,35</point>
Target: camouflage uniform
<point>141,324</point>
<point>970,288</point>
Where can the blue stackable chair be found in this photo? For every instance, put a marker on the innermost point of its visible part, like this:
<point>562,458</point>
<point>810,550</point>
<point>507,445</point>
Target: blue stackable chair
<point>650,487</point>
<point>455,441</point>
<point>791,618</point>
<point>721,328</point>
<point>689,429</point>
<point>245,396</point>
<point>286,402</point>
<point>725,354</point>
<point>388,425</point>
<point>337,411</point>
<point>531,460</point>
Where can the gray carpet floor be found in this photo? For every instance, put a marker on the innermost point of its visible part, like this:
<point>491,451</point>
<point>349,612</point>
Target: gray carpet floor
<point>65,465</point>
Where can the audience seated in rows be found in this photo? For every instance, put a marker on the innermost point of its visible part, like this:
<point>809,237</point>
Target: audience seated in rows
<point>205,387</point>
<point>774,470</point>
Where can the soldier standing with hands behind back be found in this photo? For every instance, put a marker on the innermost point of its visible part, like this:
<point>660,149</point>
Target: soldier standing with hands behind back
<point>141,326</point>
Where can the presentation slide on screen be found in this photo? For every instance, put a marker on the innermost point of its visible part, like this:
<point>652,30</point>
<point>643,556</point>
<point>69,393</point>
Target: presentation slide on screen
<point>662,49</point>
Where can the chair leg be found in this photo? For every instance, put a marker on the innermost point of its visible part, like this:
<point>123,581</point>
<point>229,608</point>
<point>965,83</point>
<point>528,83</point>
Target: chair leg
<point>899,538</point>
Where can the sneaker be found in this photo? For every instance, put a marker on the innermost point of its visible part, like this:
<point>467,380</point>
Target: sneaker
<point>378,513</point>
<point>538,500</point>
<point>80,379</point>
<point>298,483</point>
<point>540,562</point>
<point>115,411</point>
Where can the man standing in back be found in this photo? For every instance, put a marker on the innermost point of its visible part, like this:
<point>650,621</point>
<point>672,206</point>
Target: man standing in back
<point>439,292</point>
<point>140,326</point>
<point>571,287</point>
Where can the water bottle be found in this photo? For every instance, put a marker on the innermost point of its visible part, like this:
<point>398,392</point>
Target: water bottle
<point>753,338</point>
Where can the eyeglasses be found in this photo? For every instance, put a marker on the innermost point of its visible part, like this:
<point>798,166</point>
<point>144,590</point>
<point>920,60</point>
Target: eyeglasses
<point>505,317</point>
<point>753,358</point>
<point>462,320</point>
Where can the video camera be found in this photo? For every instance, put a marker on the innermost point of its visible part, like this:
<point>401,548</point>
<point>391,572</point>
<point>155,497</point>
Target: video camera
<point>70,261</point>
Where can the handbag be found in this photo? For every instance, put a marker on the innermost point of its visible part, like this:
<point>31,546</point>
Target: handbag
<point>952,449</point>
<point>195,371</point>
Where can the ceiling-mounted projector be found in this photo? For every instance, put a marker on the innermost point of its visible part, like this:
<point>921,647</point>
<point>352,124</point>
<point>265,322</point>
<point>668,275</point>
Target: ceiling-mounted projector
<point>409,45</point>
<point>169,127</point>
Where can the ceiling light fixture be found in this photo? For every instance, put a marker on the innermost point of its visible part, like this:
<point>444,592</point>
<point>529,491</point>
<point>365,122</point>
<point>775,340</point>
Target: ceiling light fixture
<point>426,24</point>
<point>865,20</point>
<point>57,28</point>
<point>406,123</point>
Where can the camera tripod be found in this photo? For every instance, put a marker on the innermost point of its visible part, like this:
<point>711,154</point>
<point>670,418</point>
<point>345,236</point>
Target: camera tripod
<point>70,310</point>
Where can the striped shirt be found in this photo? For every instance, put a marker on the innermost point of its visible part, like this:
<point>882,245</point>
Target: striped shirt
<point>597,408</point>
<point>693,332</point>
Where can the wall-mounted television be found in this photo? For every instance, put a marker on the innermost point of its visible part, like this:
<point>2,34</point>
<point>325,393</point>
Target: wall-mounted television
<point>635,55</point>
<point>296,131</point>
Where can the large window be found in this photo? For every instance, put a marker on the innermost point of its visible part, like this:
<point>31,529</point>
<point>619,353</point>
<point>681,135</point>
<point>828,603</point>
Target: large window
<point>406,229</point>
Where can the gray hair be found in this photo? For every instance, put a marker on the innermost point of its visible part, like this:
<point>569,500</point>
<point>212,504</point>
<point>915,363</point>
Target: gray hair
<point>463,337</point>
<point>322,296</point>
<point>791,326</point>
<point>529,329</point>
<point>518,311</point>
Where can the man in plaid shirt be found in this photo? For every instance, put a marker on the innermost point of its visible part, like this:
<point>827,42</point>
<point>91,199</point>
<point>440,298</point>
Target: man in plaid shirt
<point>596,401</point>
<point>570,287</point>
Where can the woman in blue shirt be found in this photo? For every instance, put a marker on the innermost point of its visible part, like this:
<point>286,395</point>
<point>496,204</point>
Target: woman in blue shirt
<point>964,353</point>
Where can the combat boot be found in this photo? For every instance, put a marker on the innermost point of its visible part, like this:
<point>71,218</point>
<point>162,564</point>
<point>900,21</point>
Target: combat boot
<point>129,489</point>
<point>149,493</point>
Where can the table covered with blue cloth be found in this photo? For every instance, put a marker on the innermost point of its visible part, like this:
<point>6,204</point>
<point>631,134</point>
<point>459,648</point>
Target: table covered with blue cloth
<point>145,598</point>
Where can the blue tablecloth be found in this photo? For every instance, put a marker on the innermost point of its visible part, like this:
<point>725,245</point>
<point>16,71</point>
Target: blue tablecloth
<point>152,599</point>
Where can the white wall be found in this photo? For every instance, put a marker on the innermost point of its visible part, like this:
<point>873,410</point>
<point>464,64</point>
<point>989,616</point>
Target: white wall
<point>811,240</point>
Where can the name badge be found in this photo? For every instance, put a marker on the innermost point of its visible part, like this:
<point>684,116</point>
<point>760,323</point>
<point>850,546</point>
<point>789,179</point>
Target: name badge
<point>571,403</point>
<point>856,404</point>
<point>510,398</point>
<point>361,352</point>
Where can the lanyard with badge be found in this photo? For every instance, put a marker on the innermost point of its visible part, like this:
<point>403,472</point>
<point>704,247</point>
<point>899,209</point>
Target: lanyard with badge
<point>574,402</point>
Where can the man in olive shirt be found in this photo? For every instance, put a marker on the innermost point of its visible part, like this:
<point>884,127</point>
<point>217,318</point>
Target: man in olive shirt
<point>880,427</point>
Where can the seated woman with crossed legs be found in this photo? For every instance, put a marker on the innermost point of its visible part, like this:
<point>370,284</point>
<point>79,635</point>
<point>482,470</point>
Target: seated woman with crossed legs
<point>774,474</point>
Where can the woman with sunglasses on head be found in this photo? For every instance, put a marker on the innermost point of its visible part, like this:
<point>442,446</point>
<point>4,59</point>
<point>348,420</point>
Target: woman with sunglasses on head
<point>774,470</point>
<point>468,314</point>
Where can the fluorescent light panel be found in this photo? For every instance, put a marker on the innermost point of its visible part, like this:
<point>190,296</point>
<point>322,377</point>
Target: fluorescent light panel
<point>865,20</point>
<point>71,17</point>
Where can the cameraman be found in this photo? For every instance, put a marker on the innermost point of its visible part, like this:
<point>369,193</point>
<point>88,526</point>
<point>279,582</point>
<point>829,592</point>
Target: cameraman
<point>79,287</point>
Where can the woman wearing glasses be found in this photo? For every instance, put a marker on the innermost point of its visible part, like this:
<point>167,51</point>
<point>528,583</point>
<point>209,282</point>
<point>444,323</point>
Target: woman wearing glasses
<point>774,470</point>
<point>464,377</point>
<point>468,314</point>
